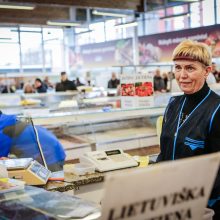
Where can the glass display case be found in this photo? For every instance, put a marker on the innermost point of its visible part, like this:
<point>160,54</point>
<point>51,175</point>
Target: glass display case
<point>83,131</point>
<point>98,123</point>
<point>42,103</point>
<point>15,103</point>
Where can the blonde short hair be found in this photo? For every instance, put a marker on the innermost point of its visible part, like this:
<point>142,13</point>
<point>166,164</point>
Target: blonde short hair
<point>193,50</point>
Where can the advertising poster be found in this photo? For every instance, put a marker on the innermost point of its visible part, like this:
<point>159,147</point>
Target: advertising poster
<point>128,90</point>
<point>144,88</point>
<point>159,47</point>
<point>106,54</point>
<point>137,90</point>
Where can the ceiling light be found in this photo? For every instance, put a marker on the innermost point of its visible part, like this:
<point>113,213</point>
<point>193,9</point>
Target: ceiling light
<point>63,23</point>
<point>125,25</point>
<point>111,14</point>
<point>17,6</point>
<point>82,30</point>
<point>174,16</point>
<point>185,1</point>
<point>5,38</point>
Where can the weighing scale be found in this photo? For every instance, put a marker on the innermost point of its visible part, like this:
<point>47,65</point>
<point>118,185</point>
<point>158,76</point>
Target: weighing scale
<point>28,170</point>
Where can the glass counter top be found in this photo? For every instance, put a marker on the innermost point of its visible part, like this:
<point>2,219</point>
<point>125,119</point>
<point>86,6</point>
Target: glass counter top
<point>36,203</point>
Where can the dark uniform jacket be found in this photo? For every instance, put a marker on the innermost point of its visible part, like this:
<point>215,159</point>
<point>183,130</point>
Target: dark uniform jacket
<point>189,136</point>
<point>65,86</point>
<point>112,84</point>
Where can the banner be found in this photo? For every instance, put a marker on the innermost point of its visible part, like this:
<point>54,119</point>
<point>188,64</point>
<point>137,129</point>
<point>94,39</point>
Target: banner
<point>159,47</point>
<point>137,89</point>
<point>106,54</point>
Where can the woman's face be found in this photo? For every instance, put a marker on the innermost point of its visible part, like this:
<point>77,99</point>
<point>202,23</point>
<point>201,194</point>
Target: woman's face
<point>190,75</point>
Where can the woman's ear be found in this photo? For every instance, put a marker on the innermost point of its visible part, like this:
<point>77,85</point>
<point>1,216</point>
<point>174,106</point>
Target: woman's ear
<point>207,71</point>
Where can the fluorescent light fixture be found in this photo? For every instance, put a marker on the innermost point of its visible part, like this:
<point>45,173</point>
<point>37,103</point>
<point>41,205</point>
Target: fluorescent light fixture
<point>185,1</point>
<point>17,6</point>
<point>63,23</point>
<point>79,30</point>
<point>5,38</point>
<point>174,16</point>
<point>111,14</point>
<point>125,25</point>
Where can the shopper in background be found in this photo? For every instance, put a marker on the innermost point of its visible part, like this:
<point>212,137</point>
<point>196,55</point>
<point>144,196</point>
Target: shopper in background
<point>88,78</point>
<point>39,86</point>
<point>165,80</point>
<point>215,72</point>
<point>78,83</point>
<point>159,85</point>
<point>191,121</point>
<point>47,82</point>
<point>173,85</point>
<point>7,86</point>
<point>113,82</point>
<point>65,83</point>
<point>28,88</point>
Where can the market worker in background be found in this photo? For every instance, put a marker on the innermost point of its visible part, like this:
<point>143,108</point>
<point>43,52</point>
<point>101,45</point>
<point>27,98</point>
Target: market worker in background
<point>191,122</point>
<point>65,83</point>
<point>18,138</point>
<point>113,82</point>
<point>159,85</point>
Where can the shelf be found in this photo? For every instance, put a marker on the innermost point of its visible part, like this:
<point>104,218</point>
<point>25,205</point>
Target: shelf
<point>96,116</point>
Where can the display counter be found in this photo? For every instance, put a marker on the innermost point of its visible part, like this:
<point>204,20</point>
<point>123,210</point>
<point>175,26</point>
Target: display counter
<point>36,203</point>
<point>86,130</point>
<point>88,186</point>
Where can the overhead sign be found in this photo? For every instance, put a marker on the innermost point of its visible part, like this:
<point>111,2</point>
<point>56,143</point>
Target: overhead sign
<point>173,190</point>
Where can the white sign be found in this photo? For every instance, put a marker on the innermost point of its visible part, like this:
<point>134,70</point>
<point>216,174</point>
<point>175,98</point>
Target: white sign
<point>167,191</point>
<point>136,90</point>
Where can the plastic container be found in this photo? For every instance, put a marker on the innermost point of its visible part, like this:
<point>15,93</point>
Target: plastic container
<point>208,215</point>
<point>84,168</point>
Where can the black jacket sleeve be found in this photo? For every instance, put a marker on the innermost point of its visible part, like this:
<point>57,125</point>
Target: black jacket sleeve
<point>214,146</point>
